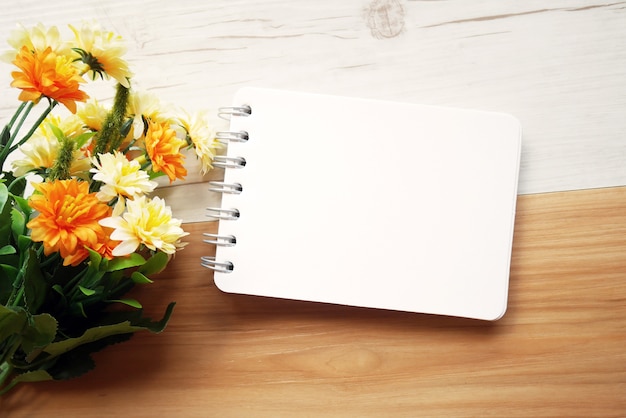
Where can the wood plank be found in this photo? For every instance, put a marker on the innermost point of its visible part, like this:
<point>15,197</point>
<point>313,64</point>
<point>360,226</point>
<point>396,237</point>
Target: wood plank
<point>558,351</point>
<point>557,66</point>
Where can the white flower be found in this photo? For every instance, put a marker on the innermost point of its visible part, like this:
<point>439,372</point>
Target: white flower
<point>120,177</point>
<point>144,105</point>
<point>102,51</point>
<point>147,222</point>
<point>36,38</point>
<point>203,138</point>
<point>42,149</point>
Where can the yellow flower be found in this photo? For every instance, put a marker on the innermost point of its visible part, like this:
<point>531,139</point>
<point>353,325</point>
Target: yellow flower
<point>144,105</point>
<point>163,148</point>
<point>202,137</point>
<point>102,52</point>
<point>93,114</point>
<point>42,149</point>
<point>37,38</point>
<point>145,222</point>
<point>71,126</point>
<point>68,218</point>
<point>120,177</point>
<point>44,73</point>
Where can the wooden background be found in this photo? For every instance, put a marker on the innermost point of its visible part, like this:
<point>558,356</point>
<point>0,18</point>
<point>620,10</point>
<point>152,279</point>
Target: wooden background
<point>559,66</point>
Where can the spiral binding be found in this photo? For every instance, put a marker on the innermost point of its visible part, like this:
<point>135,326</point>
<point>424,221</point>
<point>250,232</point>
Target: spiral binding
<point>226,214</point>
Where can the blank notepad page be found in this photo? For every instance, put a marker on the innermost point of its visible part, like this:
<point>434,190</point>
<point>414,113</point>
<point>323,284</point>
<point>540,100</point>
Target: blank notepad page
<point>372,203</point>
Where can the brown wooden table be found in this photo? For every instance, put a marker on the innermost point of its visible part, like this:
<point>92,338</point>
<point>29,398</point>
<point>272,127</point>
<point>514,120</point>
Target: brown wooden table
<point>560,350</point>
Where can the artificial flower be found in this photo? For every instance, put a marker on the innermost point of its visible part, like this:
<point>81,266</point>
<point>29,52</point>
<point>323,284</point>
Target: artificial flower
<point>146,222</point>
<point>143,105</point>
<point>120,177</point>
<point>89,231</point>
<point>102,52</point>
<point>205,144</point>
<point>42,149</point>
<point>92,114</point>
<point>46,74</point>
<point>37,38</point>
<point>41,152</point>
<point>68,218</point>
<point>163,148</point>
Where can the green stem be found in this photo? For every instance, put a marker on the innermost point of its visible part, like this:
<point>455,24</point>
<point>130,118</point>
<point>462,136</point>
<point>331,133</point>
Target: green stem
<point>38,122</point>
<point>5,371</point>
<point>71,288</point>
<point>29,107</point>
<point>6,150</point>
<point>17,113</point>
<point>15,182</point>
<point>18,289</point>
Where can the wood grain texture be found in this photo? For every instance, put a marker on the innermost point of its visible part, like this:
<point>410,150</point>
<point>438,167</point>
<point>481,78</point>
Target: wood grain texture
<point>558,66</point>
<point>558,351</point>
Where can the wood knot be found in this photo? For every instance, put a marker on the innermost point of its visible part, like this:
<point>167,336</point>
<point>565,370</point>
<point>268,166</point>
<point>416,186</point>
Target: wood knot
<point>385,18</point>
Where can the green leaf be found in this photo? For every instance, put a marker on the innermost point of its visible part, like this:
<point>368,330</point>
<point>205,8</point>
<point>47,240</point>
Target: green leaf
<point>135,322</point>
<point>155,174</point>
<point>130,302</point>
<point>57,131</point>
<point>18,223</point>
<point>23,204</point>
<point>4,195</point>
<point>59,289</point>
<point>10,271</point>
<point>139,278</point>
<point>82,139</point>
<point>94,258</point>
<point>23,242</point>
<point>81,309</point>
<point>40,332</point>
<point>39,375</point>
<point>155,264</point>
<point>18,186</point>
<point>90,335</point>
<point>78,361</point>
<point>5,218</point>
<point>7,277</point>
<point>7,249</point>
<point>35,286</point>
<point>11,321</point>
<point>121,263</point>
<point>87,292</point>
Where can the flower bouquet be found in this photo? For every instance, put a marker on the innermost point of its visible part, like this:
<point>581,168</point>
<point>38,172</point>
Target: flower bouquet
<point>78,225</point>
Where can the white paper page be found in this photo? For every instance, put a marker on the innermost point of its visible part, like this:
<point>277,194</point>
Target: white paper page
<point>375,204</point>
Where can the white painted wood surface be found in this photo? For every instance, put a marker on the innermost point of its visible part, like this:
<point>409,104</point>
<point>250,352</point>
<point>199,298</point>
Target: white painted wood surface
<point>559,66</point>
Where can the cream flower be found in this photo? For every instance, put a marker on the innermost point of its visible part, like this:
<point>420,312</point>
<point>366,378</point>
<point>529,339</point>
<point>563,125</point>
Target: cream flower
<point>145,105</point>
<point>203,138</point>
<point>145,222</point>
<point>120,177</point>
<point>37,38</point>
<point>102,51</point>
<point>42,150</point>
<point>71,126</point>
<point>38,152</point>
<point>92,114</point>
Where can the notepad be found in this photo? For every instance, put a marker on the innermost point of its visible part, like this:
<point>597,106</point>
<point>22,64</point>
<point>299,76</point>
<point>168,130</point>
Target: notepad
<point>367,203</point>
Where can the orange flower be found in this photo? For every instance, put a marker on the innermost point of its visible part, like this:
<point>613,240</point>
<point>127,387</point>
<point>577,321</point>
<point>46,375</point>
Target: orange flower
<point>163,147</point>
<point>68,219</point>
<point>44,73</point>
<point>106,247</point>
